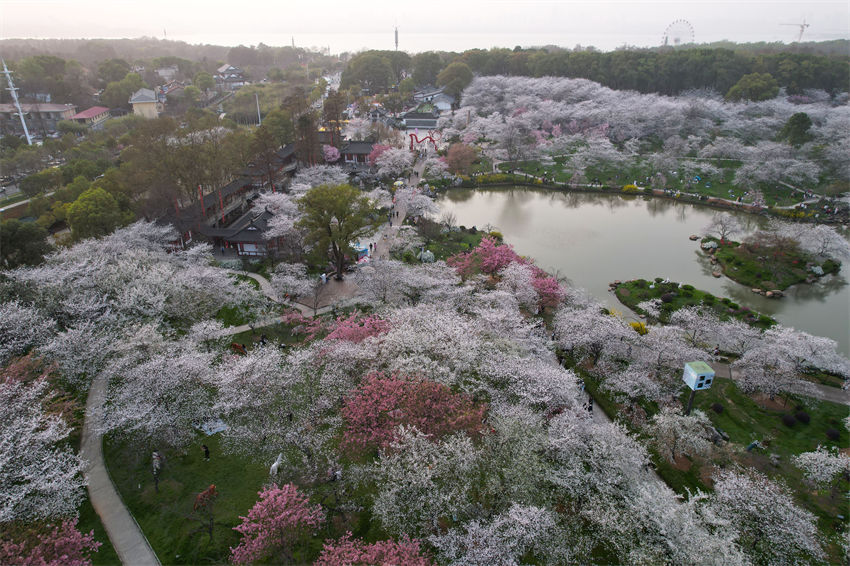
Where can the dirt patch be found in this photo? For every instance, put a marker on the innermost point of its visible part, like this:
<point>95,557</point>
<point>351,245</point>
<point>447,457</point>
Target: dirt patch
<point>768,285</point>
<point>682,463</point>
<point>624,292</point>
<point>767,403</point>
<point>706,475</point>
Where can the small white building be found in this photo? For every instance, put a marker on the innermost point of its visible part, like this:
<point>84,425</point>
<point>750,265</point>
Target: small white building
<point>698,375</point>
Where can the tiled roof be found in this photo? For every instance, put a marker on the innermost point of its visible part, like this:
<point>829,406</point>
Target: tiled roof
<point>143,95</point>
<point>90,113</point>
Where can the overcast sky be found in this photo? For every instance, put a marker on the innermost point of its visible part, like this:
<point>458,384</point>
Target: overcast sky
<point>348,25</point>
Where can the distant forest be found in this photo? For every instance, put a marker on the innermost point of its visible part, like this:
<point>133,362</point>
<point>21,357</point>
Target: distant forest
<point>84,66</point>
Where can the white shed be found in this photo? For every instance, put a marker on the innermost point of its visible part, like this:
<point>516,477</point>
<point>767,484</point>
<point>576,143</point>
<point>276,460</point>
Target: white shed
<point>698,375</point>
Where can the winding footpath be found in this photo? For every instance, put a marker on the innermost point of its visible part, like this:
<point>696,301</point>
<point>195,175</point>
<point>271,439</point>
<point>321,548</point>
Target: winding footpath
<point>127,538</point>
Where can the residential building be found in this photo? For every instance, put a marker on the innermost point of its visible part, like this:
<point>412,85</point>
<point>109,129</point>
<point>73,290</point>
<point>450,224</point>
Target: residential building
<point>167,73</point>
<point>41,118</point>
<point>145,103</point>
<point>94,117</point>
<point>229,77</point>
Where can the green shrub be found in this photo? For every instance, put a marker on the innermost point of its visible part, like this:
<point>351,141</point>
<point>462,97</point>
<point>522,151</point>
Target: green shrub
<point>658,279</point>
<point>708,299</point>
<point>688,287</point>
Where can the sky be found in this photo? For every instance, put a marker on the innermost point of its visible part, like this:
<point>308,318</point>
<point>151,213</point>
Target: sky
<point>449,25</point>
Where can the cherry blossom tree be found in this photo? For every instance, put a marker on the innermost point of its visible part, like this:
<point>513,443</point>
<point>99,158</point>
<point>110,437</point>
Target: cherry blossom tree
<point>130,274</point>
<point>488,257</point>
<point>356,328</point>
<point>330,154</point>
<point>821,240</point>
<point>374,412</point>
<point>420,482</point>
<point>723,226</point>
<point>701,325</point>
<point>357,129</point>
<point>64,545</point>
<point>435,168</point>
<point>676,434</point>
<point>278,520</point>
<point>316,175</point>
<point>823,465</point>
<point>285,213</point>
<point>161,398</point>
<point>395,283</point>
<point>290,279</point>
<point>509,538</point>
<point>40,476</point>
<point>393,162</point>
<point>80,351</point>
<point>589,333</point>
<point>416,203</point>
<point>377,151</point>
<point>21,328</point>
<point>517,278</point>
<point>354,552</point>
<point>772,528</point>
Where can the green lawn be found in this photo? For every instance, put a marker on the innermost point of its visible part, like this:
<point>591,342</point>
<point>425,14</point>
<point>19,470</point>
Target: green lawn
<point>454,242</point>
<point>631,293</point>
<point>13,199</point>
<point>90,521</point>
<point>766,268</point>
<point>166,517</point>
<point>639,169</point>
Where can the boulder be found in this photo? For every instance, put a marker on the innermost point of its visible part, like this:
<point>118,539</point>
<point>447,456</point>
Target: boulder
<point>777,293</point>
<point>717,274</point>
<point>693,237</point>
<point>756,290</point>
<point>769,294</point>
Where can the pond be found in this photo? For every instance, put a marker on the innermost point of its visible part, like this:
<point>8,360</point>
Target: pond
<point>594,239</point>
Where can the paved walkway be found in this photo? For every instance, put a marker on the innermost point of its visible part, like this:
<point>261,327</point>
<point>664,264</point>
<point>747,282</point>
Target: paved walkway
<point>131,545</point>
<point>804,388</point>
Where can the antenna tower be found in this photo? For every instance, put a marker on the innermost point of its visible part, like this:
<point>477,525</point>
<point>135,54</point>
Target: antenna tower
<point>802,27</point>
<point>14,92</point>
<point>396,38</point>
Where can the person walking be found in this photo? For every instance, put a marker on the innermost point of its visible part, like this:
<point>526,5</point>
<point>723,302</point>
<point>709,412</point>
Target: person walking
<point>206,450</point>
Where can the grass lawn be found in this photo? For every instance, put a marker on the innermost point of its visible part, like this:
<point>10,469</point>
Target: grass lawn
<point>13,199</point>
<point>454,242</point>
<point>767,268</point>
<point>746,420</point>
<point>631,293</point>
<point>90,521</point>
<point>639,170</point>
<point>166,517</point>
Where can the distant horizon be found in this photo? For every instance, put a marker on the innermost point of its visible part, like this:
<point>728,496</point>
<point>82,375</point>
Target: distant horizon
<point>444,25</point>
<point>425,37</point>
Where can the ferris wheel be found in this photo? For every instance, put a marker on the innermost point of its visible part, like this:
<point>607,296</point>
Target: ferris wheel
<point>680,32</point>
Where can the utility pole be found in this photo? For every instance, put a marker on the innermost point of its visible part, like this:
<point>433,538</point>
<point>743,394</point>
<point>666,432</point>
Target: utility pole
<point>14,92</point>
<point>396,38</point>
<point>259,118</point>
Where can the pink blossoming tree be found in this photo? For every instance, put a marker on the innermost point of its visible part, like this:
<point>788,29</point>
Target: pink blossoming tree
<point>373,413</point>
<point>62,546</point>
<point>279,519</point>
<point>354,552</point>
<point>356,328</point>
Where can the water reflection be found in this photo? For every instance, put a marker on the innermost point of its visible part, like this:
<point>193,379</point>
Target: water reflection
<point>596,238</point>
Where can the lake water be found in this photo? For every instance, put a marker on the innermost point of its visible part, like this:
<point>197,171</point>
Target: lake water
<point>594,239</point>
